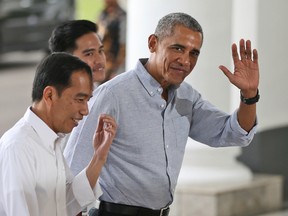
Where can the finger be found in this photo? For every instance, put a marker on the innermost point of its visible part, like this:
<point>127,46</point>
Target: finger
<point>100,124</point>
<point>111,129</point>
<point>110,121</point>
<point>248,49</point>
<point>255,56</point>
<point>108,118</point>
<point>109,124</point>
<point>235,55</point>
<point>243,53</point>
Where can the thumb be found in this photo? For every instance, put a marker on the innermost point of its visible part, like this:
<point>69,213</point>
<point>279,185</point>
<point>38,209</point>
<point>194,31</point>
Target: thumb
<point>227,72</point>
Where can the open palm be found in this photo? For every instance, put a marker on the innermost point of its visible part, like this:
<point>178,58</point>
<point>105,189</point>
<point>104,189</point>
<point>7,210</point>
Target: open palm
<point>246,68</point>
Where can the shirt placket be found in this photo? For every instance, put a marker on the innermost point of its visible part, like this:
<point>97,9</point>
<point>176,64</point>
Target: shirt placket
<point>61,181</point>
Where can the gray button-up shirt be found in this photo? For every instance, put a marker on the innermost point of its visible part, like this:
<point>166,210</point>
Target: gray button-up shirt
<point>146,155</point>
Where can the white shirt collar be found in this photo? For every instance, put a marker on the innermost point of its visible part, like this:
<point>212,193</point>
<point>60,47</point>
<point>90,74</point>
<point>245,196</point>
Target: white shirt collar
<point>46,134</point>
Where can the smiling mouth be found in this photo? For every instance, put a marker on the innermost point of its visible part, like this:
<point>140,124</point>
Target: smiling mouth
<point>181,69</point>
<point>98,69</point>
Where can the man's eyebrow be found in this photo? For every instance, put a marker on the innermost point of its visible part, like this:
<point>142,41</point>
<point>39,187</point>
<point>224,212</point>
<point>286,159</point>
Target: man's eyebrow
<point>88,50</point>
<point>83,95</point>
<point>183,47</point>
<point>196,50</point>
<point>178,45</point>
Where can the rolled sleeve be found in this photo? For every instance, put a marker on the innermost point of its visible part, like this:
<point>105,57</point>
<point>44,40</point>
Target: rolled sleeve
<point>239,130</point>
<point>82,190</point>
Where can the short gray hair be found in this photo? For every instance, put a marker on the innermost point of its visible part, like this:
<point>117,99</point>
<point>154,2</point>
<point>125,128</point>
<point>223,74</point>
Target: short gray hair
<point>167,24</point>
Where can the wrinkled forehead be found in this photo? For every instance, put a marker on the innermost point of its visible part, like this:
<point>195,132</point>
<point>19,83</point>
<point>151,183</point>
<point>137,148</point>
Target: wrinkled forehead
<point>183,35</point>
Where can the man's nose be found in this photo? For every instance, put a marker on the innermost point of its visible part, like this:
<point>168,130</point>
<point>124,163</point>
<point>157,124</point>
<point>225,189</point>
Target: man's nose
<point>185,59</point>
<point>84,110</point>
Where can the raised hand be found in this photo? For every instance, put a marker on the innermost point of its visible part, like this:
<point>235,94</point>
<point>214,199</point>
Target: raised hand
<point>104,136</point>
<point>246,69</point>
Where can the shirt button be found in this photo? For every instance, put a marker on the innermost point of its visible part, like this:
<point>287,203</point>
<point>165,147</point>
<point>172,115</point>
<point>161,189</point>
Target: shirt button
<point>167,146</point>
<point>162,106</point>
<point>159,89</point>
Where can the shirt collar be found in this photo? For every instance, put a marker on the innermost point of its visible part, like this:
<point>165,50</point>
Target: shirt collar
<point>45,133</point>
<point>150,84</point>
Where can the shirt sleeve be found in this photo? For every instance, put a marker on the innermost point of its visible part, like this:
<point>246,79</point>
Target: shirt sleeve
<point>79,193</point>
<point>17,182</point>
<point>235,126</point>
<point>213,127</point>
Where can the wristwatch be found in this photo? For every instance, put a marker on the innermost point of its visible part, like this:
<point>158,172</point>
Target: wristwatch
<point>250,101</point>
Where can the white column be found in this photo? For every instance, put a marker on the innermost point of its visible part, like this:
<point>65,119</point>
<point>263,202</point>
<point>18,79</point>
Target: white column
<point>202,164</point>
<point>243,26</point>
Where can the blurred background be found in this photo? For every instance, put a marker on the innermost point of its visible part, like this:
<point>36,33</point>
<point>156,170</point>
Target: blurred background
<point>25,26</point>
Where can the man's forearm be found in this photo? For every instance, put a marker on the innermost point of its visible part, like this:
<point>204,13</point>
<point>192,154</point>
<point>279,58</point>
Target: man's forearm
<point>247,110</point>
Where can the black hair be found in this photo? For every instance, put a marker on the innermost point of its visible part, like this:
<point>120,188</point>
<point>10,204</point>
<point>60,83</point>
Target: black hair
<point>64,36</point>
<point>56,70</point>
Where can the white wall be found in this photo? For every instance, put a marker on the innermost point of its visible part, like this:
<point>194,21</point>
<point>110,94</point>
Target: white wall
<point>273,49</point>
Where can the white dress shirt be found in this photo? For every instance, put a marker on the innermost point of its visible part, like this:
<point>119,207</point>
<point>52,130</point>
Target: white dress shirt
<point>34,177</point>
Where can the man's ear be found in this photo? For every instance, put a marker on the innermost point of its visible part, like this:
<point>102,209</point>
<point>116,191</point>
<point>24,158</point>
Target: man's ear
<point>152,43</point>
<point>49,94</point>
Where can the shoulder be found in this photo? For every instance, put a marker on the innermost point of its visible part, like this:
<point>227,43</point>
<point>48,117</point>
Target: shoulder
<point>109,96</point>
<point>21,137</point>
<point>119,83</point>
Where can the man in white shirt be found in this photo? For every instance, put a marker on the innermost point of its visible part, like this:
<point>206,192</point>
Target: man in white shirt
<point>34,177</point>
